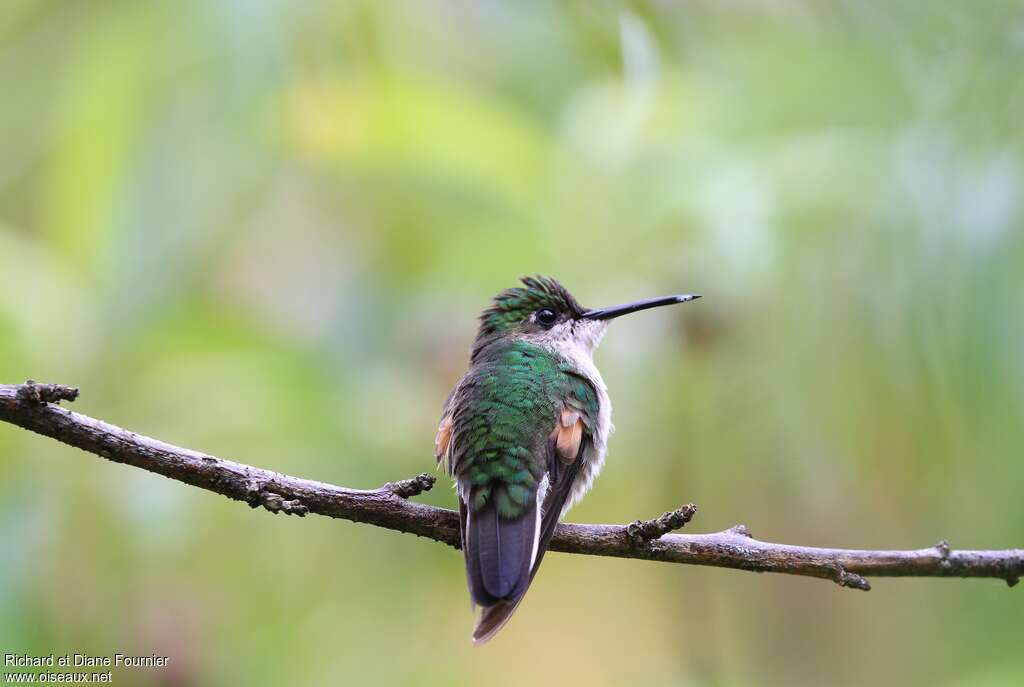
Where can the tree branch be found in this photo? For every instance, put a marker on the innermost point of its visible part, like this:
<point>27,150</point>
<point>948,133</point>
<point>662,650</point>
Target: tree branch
<point>32,406</point>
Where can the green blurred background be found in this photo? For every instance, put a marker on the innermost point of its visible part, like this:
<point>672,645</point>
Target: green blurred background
<point>264,229</point>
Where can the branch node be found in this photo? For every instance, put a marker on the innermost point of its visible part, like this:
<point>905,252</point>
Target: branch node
<point>275,503</point>
<point>845,578</point>
<point>407,488</point>
<point>643,531</point>
<point>943,548</point>
<point>253,488</point>
<point>38,394</point>
<point>740,531</point>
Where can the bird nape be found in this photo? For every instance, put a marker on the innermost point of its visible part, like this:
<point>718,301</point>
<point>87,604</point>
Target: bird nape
<point>524,434</point>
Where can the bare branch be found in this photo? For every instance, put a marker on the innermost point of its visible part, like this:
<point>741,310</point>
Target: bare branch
<point>641,531</point>
<point>31,406</point>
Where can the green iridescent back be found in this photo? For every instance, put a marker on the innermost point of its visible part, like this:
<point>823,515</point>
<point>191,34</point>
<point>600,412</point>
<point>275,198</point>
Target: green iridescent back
<point>503,413</point>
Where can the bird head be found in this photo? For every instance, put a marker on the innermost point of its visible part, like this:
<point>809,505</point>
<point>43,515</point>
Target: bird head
<point>544,312</point>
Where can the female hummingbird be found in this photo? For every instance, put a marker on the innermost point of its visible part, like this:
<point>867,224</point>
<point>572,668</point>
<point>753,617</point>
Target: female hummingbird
<point>524,433</point>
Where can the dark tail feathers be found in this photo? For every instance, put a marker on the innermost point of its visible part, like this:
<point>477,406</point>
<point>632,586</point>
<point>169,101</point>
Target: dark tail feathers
<point>498,555</point>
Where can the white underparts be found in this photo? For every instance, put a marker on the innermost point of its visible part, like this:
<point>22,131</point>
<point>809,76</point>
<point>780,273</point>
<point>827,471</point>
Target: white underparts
<point>575,341</point>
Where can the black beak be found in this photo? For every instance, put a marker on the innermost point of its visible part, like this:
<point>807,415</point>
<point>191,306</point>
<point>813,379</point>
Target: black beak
<point>635,306</point>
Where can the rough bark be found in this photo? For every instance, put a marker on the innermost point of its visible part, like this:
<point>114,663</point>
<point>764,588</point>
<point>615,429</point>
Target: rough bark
<point>34,407</point>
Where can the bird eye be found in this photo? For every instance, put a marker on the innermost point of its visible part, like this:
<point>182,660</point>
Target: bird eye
<point>547,316</point>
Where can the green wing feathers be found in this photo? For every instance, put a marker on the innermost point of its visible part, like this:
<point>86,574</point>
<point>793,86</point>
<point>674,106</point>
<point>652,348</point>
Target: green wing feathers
<point>520,415</point>
<point>498,423</point>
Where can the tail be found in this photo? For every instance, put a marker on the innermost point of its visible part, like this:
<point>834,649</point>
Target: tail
<point>499,556</point>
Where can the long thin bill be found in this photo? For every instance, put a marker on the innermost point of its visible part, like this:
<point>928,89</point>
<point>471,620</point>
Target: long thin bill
<point>635,306</point>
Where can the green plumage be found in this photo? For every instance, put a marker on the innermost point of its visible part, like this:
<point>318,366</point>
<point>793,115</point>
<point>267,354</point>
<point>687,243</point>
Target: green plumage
<point>524,434</point>
<point>504,412</point>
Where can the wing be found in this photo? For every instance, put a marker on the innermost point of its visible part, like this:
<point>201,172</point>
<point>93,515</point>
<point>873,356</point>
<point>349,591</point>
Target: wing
<point>513,434</point>
<point>570,439</point>
<point>566,450</point>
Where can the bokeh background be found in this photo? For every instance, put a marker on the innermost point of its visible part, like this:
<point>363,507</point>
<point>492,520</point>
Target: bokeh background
<point>264,229</point>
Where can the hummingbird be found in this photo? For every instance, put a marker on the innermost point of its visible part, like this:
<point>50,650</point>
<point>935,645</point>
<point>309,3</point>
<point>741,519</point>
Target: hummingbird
<point>524,433</point>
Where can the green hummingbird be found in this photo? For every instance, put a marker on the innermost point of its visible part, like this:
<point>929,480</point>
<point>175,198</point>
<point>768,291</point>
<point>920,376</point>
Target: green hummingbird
<point>524,434</point>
